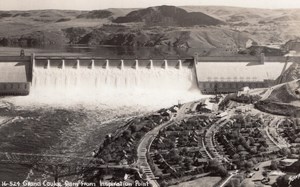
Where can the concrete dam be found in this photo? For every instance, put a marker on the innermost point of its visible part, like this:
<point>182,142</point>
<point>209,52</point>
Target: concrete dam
<point>95,75</point>
<point>88,75</point>
<point>36,74</point>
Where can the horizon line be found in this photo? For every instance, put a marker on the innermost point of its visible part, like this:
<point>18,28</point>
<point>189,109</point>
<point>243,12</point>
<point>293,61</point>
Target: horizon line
<point>63,9</point>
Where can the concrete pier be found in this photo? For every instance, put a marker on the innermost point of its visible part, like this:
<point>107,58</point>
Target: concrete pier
<point>136,64</point>
<point>165,64</point>
<point>33,61</point>
<point>151,64</point>
<point>107,64</point>
<point>122,64</point>
<point>179,64</point>
<point>63,64</point>
<point>48,64</point>
<point>78,64</point>
<point>92,64</point>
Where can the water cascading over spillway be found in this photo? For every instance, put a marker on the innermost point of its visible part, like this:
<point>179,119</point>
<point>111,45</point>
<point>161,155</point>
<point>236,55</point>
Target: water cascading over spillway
<point>116,80</point>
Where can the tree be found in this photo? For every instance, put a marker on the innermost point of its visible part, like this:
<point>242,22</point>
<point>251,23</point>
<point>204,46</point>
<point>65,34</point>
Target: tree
<point>215,165</point>
<point>253,150</point>
<point>173,152</point>
<point>163,184</point>
<point>295,182</point>
<point>274,164</point>
<point>107,158</point>
<point>234,183</point>
<point>133,128</point>
<point>236,157</point>
<point>262,149</point>
<point>294,151</point>
<point>254,160</point>
<point>126,134</point>
<point>188,165</point>
<point>285,151</point>
<point>251,140</point>
<point>138,135</point>
<point>212,164</point>
<point>248,165</point>
<point>222,171</point>
<point>282,181</point>
<point>265,173</point>
<point>240,119</point>
<point>240,148</point>
<point>184,151</point>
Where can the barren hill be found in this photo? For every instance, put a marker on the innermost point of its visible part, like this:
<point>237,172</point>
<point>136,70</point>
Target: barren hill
<point>267,26</point>
<point>168,16</point>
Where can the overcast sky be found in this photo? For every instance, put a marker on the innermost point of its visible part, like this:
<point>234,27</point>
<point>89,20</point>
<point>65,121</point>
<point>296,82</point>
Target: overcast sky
<point>103,4</point>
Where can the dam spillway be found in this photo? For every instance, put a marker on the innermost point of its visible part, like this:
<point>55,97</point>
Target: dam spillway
<point>82,76</point>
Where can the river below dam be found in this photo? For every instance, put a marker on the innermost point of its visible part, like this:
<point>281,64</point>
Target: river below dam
<point>74,131</point>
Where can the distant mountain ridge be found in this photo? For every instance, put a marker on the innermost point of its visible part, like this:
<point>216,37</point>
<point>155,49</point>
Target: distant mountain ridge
<point>168,16</point>
<point>96,14</point>
<point>228,28</point>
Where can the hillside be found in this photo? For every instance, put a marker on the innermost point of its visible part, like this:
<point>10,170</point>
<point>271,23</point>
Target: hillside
<point>266,26</point>
<point>283,99</point>
<point>183,38</point>
<point>292,73</point>
<point>168,16</point>
<point>190,27</point>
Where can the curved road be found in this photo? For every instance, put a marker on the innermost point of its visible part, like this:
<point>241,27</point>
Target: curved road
<point>144,147</point>
<point>147,140</point>
<point>271,126</point>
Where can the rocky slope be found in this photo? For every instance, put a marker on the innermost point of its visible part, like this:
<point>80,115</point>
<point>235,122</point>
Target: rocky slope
<point>283,99</point>
<point>292,73</point>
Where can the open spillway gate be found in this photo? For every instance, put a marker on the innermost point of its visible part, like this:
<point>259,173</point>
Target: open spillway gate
<point>20,75</point>
<point>101,77</point>
<point>100,63</point>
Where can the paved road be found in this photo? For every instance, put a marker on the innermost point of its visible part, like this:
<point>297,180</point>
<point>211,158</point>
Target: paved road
<point>144,147</point>
<point>147,140</point>
<point>272,127</point>
<point>209,139</point>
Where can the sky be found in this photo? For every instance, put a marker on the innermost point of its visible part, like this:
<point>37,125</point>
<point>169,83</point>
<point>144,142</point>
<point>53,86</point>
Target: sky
<point>103,4</point>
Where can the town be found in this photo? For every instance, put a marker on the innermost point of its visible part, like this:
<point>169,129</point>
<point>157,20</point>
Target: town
<point>221,141</point>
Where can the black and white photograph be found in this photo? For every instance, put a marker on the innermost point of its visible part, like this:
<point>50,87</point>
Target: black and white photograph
<point>149,93</point>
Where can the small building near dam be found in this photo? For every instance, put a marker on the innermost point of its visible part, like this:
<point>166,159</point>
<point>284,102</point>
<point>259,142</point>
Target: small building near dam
<point>231,74</point>
<point>15,75</point>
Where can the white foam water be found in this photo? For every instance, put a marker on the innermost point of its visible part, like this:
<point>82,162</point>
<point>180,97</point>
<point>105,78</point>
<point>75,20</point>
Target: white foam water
<point>115,87</point>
